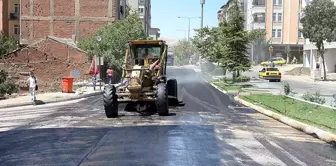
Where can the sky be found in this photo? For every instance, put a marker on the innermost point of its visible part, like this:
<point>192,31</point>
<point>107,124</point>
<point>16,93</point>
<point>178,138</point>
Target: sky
<point>165,15</point>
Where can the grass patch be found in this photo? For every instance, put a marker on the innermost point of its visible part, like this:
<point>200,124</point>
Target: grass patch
<point>230,87</point>
<point>314,115</point>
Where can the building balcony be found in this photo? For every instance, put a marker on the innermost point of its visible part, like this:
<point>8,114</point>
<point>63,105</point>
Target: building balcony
<point>14,16</point>
<point>259,17</point>
<point>259,3</point>
<point>258,9</point>
<point>142,2</point>
<point>259,25</point>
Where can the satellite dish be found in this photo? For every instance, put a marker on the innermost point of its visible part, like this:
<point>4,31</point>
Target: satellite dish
<point>99,38</point>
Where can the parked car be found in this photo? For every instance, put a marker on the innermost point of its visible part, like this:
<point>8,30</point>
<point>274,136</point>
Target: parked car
<point>277,61</point>
<point>270,73</point>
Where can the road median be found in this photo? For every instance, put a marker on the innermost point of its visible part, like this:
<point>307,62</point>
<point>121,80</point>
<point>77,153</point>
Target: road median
<point>312,119</point>
<point>316,122</point>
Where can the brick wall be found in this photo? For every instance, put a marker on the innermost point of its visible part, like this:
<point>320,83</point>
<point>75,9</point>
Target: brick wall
<point>50,61</point>
<point>64,18</point>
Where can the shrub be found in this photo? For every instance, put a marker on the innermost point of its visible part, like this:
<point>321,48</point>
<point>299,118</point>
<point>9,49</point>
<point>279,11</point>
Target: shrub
<point>7,86</point>
<point>287,88</point>
<point>243,79</point>
<point>314,97</point>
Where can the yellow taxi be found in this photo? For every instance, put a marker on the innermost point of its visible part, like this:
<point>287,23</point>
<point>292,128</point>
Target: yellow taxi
<point>270,73</point>
<point>277,61</point>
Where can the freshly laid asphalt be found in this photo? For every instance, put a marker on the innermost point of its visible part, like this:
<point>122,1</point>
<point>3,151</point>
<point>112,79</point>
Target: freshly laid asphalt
<point>209,130</point>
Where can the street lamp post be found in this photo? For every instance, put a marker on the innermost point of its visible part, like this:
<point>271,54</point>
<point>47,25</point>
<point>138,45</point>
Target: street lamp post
<point>202,11</point>
<point>189,18</point>
<point>99,38</point>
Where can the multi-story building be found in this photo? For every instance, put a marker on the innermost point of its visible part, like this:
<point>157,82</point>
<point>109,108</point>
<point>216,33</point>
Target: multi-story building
<point>144,9</point>
<point>311,58</point>
<point>10,18</point>
<point>66,19</point>
<point>279,18</point>
<point>154,33</point>
<point>222,14</point>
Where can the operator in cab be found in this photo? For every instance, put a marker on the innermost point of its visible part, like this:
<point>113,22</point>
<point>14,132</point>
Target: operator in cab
<point>148,57</point>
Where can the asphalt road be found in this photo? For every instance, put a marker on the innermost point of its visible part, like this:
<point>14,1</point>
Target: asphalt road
<point>209,130</point>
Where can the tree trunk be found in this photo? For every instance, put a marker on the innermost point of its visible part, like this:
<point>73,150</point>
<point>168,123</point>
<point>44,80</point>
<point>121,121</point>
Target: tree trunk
<point>238,73</point>
<point>287,58</point>
<point>324,67</point>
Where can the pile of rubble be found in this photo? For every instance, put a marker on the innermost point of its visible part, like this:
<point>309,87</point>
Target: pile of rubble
<point>299,71</point>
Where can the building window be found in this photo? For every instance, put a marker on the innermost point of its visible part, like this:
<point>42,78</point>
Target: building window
<point>274,17</point>
<point>277,2</point>
<point>279,33</point>
<point>300,35</point>
<point>279,17</point>
<point>276,33</point>
<point>17,8</point>
<point>16,29</point>
<point>141,10</point>
<point>273,32</point>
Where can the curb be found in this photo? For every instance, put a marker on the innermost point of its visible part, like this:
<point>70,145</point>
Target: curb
<point>321,134</point>
<point>223,91</point>
<point>52,101</point>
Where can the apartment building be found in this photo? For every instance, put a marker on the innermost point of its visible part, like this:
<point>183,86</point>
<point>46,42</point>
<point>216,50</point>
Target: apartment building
<point>144,8</point>
<point>222,14</point>
<point>280,19</point>
<point>154,33</point>
<point>66,19</point>
<point>311,58</point>
<point>10,18</point>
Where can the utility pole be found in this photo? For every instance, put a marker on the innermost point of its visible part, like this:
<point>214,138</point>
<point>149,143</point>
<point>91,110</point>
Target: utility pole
<point>202,11</point>
<point>189,18</point>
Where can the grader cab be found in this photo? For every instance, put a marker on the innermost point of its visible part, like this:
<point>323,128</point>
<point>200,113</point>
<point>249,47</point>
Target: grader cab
<point>144,80</point>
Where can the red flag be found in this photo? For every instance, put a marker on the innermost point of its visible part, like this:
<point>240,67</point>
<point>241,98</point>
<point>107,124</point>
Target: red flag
<point>93,68</point>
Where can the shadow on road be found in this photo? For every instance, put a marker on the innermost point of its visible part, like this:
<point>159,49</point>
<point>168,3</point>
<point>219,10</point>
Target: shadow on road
<point>138,145</point>
<point>39,102</point>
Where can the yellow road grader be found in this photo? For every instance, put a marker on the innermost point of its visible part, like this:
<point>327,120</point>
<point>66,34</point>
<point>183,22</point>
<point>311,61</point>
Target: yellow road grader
<point>144,82</point>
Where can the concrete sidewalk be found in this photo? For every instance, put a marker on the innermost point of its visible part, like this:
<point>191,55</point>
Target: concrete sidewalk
<point>44,98</point>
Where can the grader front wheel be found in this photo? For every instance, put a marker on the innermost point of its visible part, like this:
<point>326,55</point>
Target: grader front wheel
<point>110,101</point>
<point>162,100</point>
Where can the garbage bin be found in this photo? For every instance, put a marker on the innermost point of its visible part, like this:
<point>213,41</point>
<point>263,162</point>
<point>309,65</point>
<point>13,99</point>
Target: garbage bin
<point>67,83</point>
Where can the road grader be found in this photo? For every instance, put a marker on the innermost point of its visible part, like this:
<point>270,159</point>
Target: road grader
<point>144,82</point>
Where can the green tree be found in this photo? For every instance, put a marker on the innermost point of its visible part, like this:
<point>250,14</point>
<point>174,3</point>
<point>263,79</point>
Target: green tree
<point>183,51</point>
<point>319,25</point>
<point>233,42</point>
<point>7,44</point>
<point>114,39</point>
<point>204,41</point>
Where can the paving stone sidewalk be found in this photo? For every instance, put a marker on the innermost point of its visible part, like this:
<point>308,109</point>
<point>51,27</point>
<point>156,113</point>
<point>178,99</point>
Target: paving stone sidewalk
<point>44,98</point>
